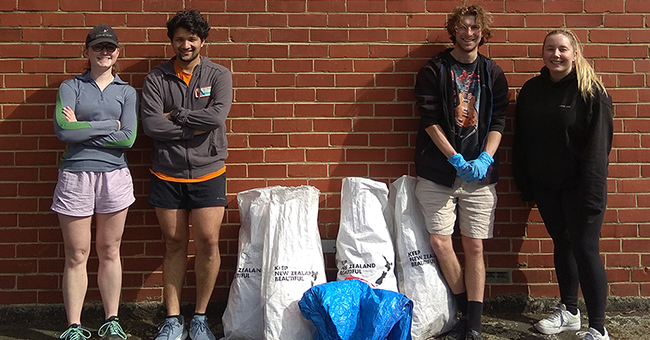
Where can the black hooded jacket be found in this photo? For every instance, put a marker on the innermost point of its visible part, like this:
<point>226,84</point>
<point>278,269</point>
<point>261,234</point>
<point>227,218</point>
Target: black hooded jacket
<point>434,91</point>
<point>561,140</point>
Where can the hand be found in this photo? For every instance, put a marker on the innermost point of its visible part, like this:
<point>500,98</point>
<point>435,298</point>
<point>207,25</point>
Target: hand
<point>69,114</point>
<point>171,115</point>
<point>462,167</point>
<point>480,166</point>
<point>119,125</point>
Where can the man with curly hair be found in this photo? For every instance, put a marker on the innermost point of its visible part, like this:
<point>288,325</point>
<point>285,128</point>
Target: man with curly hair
<point>185,102</point>
<point>462,97</point>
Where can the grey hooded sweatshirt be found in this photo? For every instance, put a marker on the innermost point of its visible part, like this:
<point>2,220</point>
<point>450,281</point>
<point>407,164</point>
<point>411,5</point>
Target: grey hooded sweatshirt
<point>201,106</point>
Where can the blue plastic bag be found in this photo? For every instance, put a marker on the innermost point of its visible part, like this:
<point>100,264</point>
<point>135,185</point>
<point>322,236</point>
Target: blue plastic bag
<point>352,310</point>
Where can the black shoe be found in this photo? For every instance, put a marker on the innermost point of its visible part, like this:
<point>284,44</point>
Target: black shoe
<point>459,332</point>
<point>473,335</point>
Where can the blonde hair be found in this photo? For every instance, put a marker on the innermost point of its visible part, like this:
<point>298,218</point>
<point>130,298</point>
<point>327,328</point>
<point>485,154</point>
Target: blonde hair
<point>483,20</point>
<point>587,78</point>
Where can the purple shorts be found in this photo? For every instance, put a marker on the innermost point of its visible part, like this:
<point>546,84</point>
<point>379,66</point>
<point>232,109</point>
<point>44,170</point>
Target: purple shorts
<point>81,194</point>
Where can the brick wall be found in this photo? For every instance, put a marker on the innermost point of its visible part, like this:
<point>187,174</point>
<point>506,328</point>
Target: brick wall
<point>322,91</point>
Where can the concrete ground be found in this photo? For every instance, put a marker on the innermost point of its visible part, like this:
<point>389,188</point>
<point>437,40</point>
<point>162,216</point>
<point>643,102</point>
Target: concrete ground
<point>506,318</point>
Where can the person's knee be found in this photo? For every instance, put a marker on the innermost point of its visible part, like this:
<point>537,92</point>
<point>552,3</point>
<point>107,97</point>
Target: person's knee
<point>206,235</point>
<point>174,244</point>
<point>108,252</point>
<point>586,253</point>
<point>441,244</point>
<point>474,253</point>
<point>473,247</point>
<point>77,257</point>
<point>207,245</point>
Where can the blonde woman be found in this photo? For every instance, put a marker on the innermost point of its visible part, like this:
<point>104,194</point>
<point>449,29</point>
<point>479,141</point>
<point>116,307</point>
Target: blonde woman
<point>96,115</point>
<point>563,137</point>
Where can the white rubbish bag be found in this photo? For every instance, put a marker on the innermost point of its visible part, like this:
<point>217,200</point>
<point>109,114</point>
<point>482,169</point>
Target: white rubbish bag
<point>364,246</point>
<point>293,262</point>
<point>243,318</point>
<point>418,274</point>
<point>280,257</point>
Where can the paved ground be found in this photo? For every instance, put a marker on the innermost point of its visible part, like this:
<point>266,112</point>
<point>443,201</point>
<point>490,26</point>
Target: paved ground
<point>504,319</point>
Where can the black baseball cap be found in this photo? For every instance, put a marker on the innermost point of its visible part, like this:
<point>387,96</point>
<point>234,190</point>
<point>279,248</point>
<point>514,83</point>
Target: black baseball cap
<point>101,33</point>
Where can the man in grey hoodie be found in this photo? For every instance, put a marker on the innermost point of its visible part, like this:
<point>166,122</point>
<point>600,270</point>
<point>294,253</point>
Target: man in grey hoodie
<point>185,102</point>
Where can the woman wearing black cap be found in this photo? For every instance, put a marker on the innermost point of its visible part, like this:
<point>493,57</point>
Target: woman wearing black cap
<point>96,115</point>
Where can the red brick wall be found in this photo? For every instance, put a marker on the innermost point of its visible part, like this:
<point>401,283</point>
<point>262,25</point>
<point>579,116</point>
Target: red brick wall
<point>322,91</point>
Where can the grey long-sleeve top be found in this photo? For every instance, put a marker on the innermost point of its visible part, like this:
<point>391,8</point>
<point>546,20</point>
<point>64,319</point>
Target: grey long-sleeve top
<point>95,141</point>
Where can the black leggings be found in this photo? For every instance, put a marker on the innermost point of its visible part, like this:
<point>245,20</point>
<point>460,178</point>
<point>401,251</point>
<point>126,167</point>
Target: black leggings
<point>576,232</point>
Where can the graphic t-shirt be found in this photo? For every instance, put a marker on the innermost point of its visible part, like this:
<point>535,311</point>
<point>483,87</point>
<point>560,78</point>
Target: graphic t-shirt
<point>467,94</point>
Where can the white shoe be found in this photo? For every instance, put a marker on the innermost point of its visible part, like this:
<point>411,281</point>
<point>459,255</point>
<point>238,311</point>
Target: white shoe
<point>561,320</point>
<point>593,334</point>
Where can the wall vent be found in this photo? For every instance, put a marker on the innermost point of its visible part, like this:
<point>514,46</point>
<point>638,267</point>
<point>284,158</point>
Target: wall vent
<point>497,276</point>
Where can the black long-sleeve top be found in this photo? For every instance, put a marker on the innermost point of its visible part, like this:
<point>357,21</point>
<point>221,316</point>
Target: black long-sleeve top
<point>561,140</point>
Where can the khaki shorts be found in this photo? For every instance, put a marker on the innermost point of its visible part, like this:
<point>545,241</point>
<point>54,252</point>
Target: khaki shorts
<point>472,203</point>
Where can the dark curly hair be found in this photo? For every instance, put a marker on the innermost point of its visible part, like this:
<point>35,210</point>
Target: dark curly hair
<point>190,20</point>
<point>483,20</point>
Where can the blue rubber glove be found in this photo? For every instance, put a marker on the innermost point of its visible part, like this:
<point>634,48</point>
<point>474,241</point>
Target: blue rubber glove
<point>480,166</point>
<point>462,167</point>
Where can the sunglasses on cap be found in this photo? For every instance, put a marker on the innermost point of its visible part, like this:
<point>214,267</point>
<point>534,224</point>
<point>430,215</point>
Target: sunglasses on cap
<point>110,48</point>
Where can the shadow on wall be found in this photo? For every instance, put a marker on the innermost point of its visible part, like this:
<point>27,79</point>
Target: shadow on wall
<point>386,103</point>
<point>28,126</point>
<point>384,121</point>
<point>377,129</point>
<point>377,141</point>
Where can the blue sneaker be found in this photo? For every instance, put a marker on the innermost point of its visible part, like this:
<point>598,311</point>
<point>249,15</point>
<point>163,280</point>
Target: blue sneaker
<point>111,330</point>
<point>75,332</point>
<point>199,329</point>
<point>172,328</point>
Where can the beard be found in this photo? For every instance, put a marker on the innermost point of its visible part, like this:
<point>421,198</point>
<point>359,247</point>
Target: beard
<point>188,58</point>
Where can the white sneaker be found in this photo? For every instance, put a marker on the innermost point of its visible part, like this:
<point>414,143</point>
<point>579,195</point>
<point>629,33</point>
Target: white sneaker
<point>561,320</point>
<point>593,334</point>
